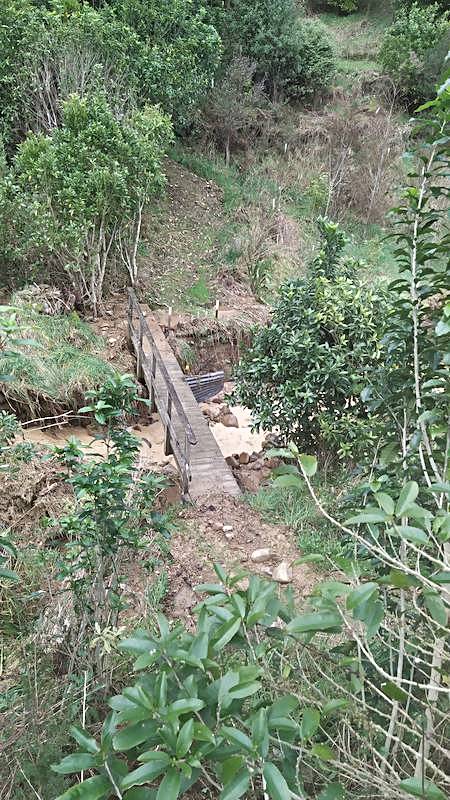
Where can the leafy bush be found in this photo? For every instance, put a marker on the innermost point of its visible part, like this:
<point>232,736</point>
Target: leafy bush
<point>179,53</point>
<point>112,503</point>
<point>293,56</point>
<point>205,710</point>
<point>305,371</point>
<point>74,200</point>
<point>414,49</point>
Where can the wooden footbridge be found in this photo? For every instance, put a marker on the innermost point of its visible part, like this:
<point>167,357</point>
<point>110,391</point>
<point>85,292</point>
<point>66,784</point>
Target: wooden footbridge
<point>188,438</point>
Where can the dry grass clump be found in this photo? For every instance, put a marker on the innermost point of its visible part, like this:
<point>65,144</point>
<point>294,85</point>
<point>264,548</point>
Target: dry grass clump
<point>59,360</point>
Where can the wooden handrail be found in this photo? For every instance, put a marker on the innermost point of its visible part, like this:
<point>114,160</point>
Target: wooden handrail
<point>171,391</point>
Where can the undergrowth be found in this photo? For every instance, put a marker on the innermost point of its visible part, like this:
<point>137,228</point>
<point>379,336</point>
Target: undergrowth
<point>295,508</point>
<point>59,360</point>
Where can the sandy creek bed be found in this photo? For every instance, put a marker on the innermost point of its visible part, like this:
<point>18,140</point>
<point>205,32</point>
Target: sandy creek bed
<point>230,440</point>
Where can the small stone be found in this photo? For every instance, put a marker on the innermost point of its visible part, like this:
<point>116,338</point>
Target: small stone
<point>227,528</point>
<point>282,573</point>
<point>232,462</point>
<point>266,571</point>
<point>112,340</point>
<point>229,536</point>
<point>244,458</point>
<point>262,554</point>
<point>230,421</point>
<point>213,412</point>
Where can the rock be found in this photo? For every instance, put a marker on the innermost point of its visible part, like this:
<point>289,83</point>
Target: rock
<point>282,573</point>
<point>183,601</point>
<point>229,536</point>
<point>112,340</point>
<point>262,554</point>
<point>219,398</point>
<point>256,464</point>
<point>227,528</point>
<point>244,458</point>
<point>254,456</point>
<point>232,462</point>
<point>230,421</point>
<point>212,411</point>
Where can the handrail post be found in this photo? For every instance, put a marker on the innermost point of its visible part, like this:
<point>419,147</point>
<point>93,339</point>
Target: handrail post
<point>167,445</point>
<point>153,408</point>
<point>130,323</point>
<point>140,353</point>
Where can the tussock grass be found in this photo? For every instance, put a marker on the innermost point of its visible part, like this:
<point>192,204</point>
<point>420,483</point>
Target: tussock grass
<point>52,373</point>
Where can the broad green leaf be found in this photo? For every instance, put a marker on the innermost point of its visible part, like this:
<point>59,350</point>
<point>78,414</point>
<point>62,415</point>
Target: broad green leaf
<point>186,706</point>
<point>361,594</point>
<point>373,617</point>
<point>313,558</point>
<point>412,534</point>
<point>429,791</point>
<point>185,738</point>
<point>309,464</point>
<point>370,516</point>
<point>244,690</point>
<point>284,705</point>
<point>170,786</point>
<point>75,763</point>
<point>154,755</point>
<point>407,496</point>
<point>144,774</point>
<point>210,588</point>
<point>318,621</point>
<point>333,792</point>
<point>237,737</point>
<point>237,786</point>
<point>276,785</point>
<point>95,788</point>
<point>134,734</point>
<point>199,647</point>
<point>83,738</point>
<point>436,607</point>
<point>8,574</point>
<point>283,724</point>
<point>288,481</point>
<point>334,705</point>
<point>226,632</point>
<point>441,577</point>
<point>394,692</point>
<point>322,751</point>
<point>385,502</point>
<point>442,328</point>
<point>310,723</point>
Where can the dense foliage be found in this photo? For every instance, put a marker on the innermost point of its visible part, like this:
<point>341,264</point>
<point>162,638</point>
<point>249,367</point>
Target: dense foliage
<point>304,372</point>
<point>414,49</point>
<point>292,54</point>
<point>76,197</point>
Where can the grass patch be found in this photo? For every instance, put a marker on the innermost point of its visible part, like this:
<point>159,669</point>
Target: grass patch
<point>53,372</point>
<point>296,509</point>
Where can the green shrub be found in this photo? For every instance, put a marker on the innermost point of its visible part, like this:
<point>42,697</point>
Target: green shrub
<point>179,53</point>
<point>305,371</point>
<point>292,55</point>
<point>414,49</point>
<point>74,199</point>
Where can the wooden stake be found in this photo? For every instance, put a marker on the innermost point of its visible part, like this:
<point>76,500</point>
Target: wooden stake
<point>216,309</point>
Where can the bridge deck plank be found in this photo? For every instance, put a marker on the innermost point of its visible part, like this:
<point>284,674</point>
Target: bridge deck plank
<point>209,470</point>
